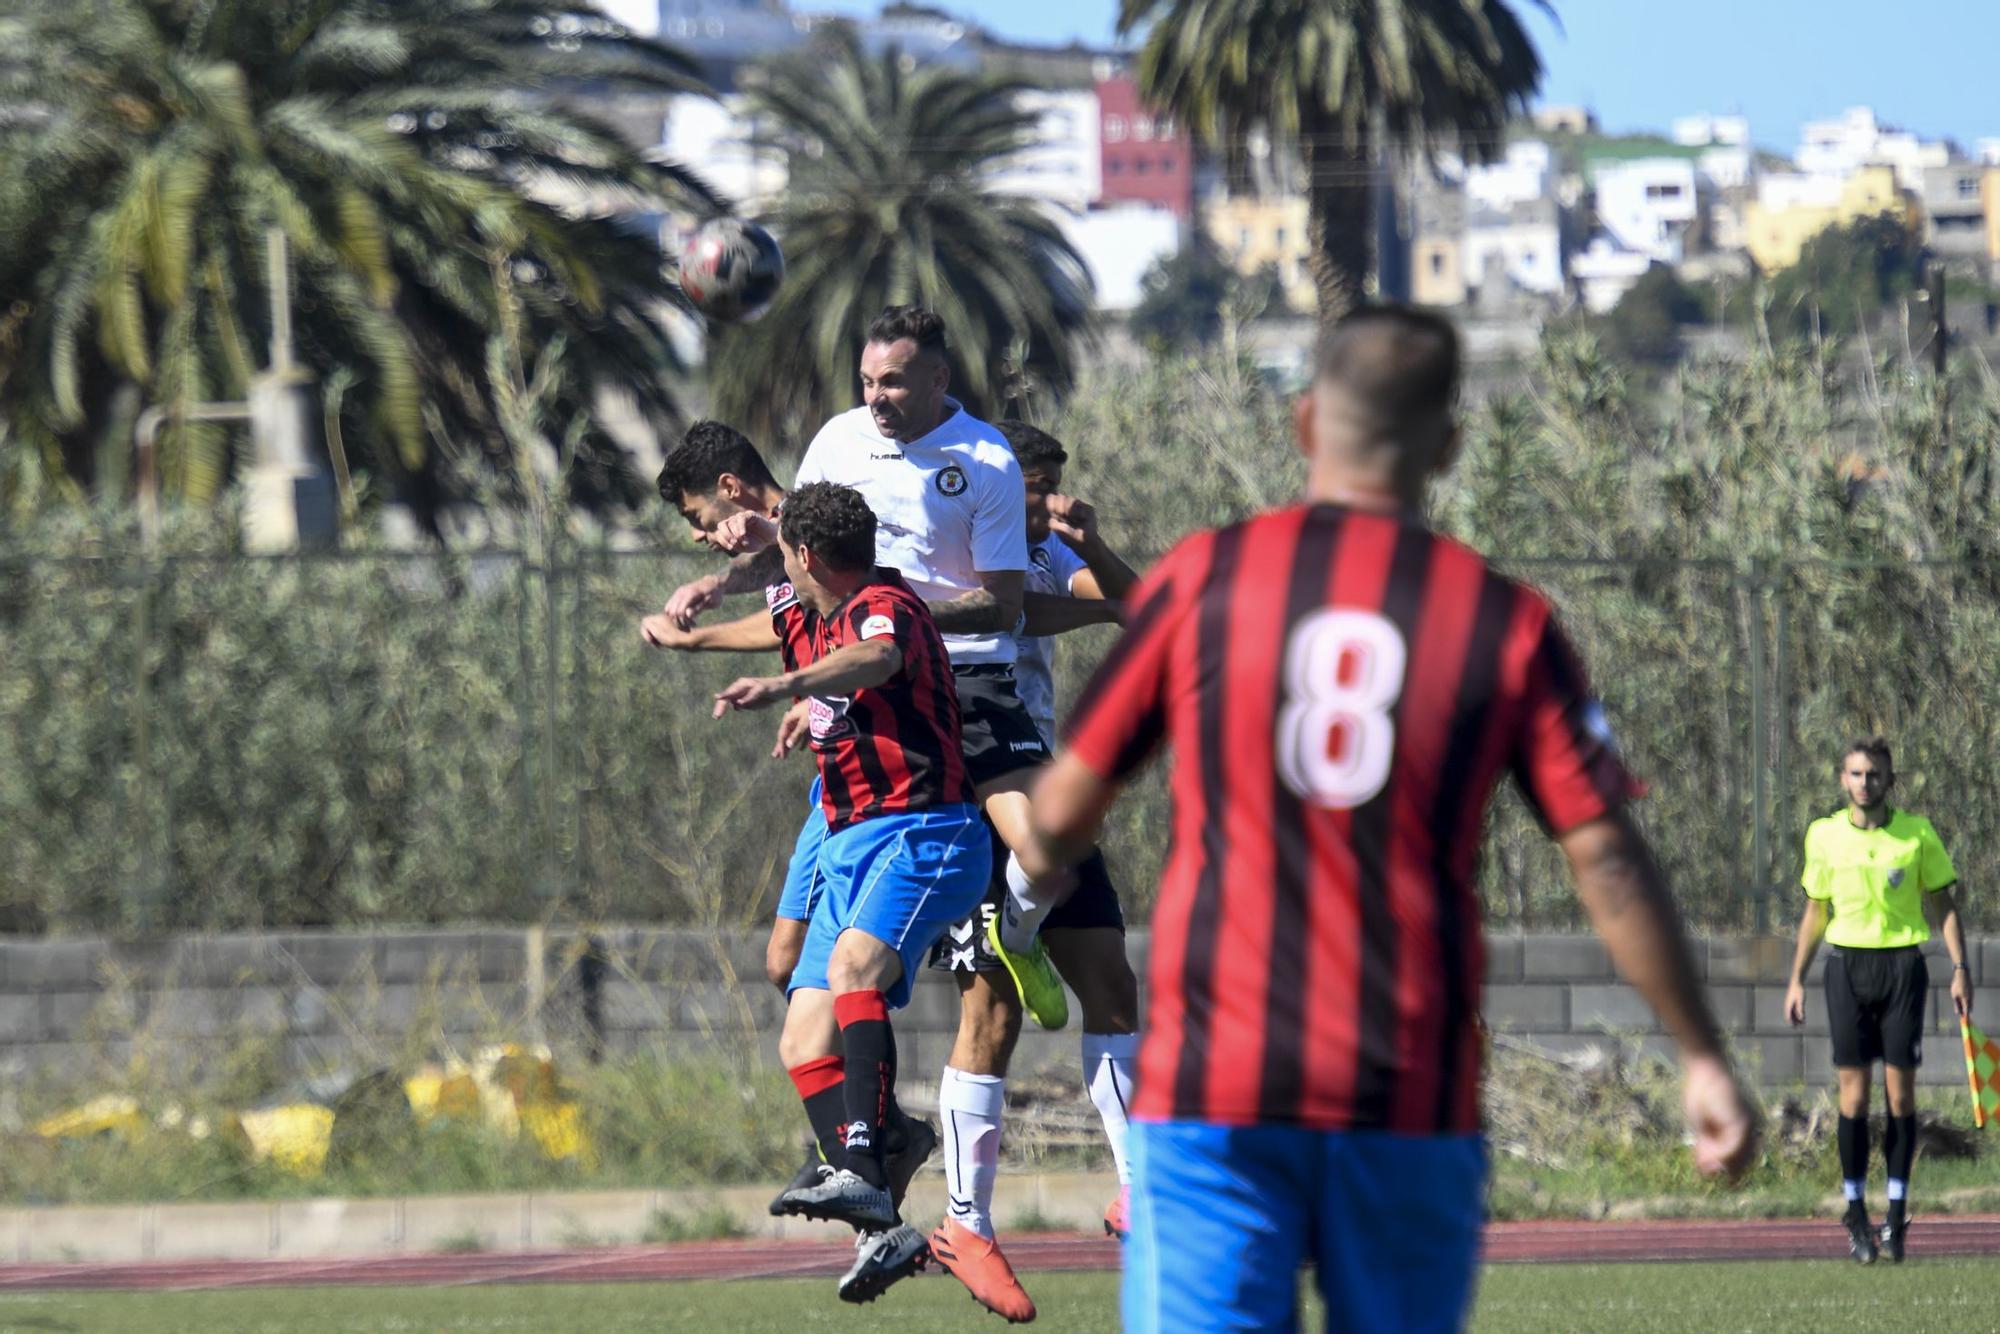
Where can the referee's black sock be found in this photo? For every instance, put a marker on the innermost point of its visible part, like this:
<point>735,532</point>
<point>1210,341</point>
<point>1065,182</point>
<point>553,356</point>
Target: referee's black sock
<point>1852,1137</point>
<point>871,1078</point>
<point>1899,1149</point>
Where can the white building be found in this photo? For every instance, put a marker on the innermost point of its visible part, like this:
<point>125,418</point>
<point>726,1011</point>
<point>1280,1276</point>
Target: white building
<point>1704,131</point>
<point>1987,152</point>
<point>1520,247</point>
<point>1119,245</point>
<point>1065,165</point>
<point>1527,172</point>
<point>1648,205</point>
<point>711,138</point>
<point>1855,139</point>
<point>1604,272</point>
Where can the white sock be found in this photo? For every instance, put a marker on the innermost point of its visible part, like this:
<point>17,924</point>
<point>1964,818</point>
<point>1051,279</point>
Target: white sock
<point>1848,1187</point>
<point>1026,905</point>
<point>1899,1188</point>
<point>969,1108</point>
<point>1109,1062</point>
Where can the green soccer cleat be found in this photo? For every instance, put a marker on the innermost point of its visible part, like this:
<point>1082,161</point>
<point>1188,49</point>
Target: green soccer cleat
<point>1034,977</point>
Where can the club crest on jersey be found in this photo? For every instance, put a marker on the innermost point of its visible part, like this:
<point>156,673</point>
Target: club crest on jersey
<point>1895,876</point>
<point>1040,558</point>
<point>951,481</point>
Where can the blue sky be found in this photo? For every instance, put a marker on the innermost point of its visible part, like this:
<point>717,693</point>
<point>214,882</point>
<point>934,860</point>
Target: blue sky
<point>1926,65</point>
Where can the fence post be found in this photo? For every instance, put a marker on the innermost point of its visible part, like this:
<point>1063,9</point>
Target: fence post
<point>1781,715</point>
<point>1760,869</point>
<point>139,891</point>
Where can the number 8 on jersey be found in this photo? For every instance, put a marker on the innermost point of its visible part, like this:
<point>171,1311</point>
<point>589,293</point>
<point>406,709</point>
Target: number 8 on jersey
<point>1335,740</point>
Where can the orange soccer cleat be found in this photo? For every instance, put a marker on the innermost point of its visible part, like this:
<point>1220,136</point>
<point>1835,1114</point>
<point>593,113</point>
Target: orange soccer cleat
<point>1118,1214</point>
<point>977,1263</point>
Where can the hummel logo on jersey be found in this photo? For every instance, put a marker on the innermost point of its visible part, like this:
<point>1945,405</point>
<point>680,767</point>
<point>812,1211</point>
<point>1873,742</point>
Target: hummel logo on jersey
<point>885,458</point>
<point>951,481</point>
<point>1018,746</point>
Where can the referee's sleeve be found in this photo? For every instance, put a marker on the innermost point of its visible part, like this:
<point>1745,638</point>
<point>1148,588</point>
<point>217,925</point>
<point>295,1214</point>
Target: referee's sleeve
<point>1817,877</point>
<point>1934,866</point>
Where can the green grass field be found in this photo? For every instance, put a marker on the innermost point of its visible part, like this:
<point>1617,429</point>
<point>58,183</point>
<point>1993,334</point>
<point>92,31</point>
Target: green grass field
<point>1813,1296</point>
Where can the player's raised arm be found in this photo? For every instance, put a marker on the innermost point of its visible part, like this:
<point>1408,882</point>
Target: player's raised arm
<point>754,633</point>
<point>1106,575</point>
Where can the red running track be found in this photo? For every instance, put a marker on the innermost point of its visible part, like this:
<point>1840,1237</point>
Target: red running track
<point>1506,1243</point>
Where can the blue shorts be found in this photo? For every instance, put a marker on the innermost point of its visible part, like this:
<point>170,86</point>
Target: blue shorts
<point>1223,1216</point>
<point>901,879</point>
<point>802,883</point>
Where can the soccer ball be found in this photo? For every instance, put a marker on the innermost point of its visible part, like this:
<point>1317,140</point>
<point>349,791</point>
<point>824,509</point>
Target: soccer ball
<point>730,268</point>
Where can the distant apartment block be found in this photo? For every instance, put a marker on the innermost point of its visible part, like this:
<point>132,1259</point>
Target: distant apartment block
<point>1855,139</point>
<point>1254,232</point>
<point>1147,158</point>
<point>1790,210</point>
<point>1564,118</point>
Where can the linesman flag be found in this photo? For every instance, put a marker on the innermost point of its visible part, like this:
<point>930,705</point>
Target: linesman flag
<point>1982,1071</point>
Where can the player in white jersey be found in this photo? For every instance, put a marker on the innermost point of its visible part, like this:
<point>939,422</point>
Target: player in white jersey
<point>951,518</point>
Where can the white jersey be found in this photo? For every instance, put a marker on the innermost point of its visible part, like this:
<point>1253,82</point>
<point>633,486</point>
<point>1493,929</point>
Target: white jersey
<point>1052,567</point>
<point>948,507</point>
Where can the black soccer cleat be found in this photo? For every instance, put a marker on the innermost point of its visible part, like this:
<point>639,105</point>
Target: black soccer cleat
<point>809,1174</point>
<point>910,1141</point>
<point>1893,1229</point>
<point>1860,1234</point>
<point>882,1258</point>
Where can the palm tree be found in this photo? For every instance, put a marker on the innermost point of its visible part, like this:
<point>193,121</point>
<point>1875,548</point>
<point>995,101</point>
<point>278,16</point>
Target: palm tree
<point>414,155</point>
<point>1340,78</point>
<point>888,201</point>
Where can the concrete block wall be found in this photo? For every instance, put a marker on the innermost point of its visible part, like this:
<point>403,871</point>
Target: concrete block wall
<point>77,1008</point>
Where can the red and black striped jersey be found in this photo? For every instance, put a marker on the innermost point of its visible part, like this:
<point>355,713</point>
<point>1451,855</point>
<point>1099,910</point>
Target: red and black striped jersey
<point>795,633</point>
<point>890,749</point>
<point>1342,690</point>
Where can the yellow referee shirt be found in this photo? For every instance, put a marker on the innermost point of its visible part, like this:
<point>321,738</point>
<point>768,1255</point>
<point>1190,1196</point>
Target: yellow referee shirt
<point>1874,879</point>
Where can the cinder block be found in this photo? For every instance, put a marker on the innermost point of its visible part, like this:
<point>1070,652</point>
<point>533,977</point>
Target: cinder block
<point>503,955</point>
<point>933,1006</point>
<point>1937,962</point>
<point>724,1010</point>
<point>1503,958</point>
<point>1987,952</point>
<point>43,965</point>
<point>307,1010</point>
<point>236,1231</point>
<point>493,1222</point>
<point>1771,1062</point>
<point>1732,1007</point>
<point>1614,1009</point>
<point>586,1218</point>
<point>1564,958</point>
<point>22,1019</point>
<point>418,956</point>
<point>1749,959</point>
<point>1819,1063</point>
<point>223,961</point>
<point>637,1005</point>
<point>107,1232</point>
<point>307,1228</point>
<point>259,1010</point>
<point>1768,1012</point>
<point>1516,1006</point>
<point>192,1014</point>
<point>327,958</point>
<point>67,1014</point>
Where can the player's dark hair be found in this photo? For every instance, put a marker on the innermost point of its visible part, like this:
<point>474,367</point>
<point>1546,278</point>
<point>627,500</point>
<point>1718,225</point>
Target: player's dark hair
<point>1401,361</point>
<point>834,521</point>
<point>708,450</point>
<point>1875,748</point>
<point>1032,445</point>
<point>920,326</point>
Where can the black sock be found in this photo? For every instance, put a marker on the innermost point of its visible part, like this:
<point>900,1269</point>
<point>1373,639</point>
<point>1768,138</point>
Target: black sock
<point>1852,1136</point>
<point>822,1088</point>
<point>1899,1149</point>
<point>871,1078</point>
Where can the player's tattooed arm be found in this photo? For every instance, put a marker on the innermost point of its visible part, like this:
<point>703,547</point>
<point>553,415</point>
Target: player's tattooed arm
<point>991,609</point>
<point>841,672</point>
<point>745,574</point>
<point>749,634</point>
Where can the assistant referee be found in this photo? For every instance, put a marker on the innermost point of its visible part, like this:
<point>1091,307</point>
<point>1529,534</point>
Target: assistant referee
<point>1876,878</point>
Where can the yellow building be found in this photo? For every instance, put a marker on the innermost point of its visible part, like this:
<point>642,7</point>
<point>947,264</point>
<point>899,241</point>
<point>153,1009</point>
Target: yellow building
<point>1791,211</point>
<point>1989,194</point>
<point>1251,232</point>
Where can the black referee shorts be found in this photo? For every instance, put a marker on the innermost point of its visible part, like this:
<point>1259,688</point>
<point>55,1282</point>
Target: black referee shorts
<point>1875,1006</point>
<point>1000,737</point>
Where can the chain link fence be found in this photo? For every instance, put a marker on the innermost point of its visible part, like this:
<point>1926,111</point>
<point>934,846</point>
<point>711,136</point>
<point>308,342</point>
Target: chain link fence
<point>234,742</point>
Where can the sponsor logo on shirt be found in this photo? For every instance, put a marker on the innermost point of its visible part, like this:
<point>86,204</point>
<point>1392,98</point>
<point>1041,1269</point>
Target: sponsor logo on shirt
<point>827,715</point>
<point>951,480</point>
<point>876,627</point>
<point>780,596</point>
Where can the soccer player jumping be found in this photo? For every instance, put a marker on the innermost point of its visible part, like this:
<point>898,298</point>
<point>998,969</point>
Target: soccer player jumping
<point>1343,689</point>
<point>905,853</point>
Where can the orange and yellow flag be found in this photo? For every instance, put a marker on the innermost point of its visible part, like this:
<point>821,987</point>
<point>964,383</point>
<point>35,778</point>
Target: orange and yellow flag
<point>1982,1071</point>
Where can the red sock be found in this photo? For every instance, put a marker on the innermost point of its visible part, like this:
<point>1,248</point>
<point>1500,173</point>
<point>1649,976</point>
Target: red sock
<point>820,1083</point>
